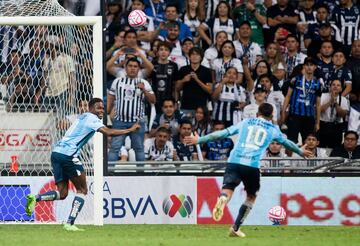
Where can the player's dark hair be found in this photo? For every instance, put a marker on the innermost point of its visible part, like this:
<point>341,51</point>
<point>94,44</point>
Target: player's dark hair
<point>93,101</point>
<point>133,59</point>
<point>351,132</point>
<point>163,129</point>
<point>266,110</point>
<point>218,122</point>
<point>169,98</point>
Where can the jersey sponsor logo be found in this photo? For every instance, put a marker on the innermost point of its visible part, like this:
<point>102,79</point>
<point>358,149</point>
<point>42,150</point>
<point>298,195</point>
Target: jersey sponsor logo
<point>178,204</point>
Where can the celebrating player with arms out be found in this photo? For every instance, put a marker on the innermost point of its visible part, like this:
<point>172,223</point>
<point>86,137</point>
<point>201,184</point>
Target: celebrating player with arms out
<point>67,166</point>
<point>255,135</point>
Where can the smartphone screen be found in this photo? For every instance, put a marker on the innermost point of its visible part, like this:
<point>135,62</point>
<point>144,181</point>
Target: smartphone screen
<point>129,50</point>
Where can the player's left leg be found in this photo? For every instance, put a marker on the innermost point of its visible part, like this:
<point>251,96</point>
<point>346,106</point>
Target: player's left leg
<point>78,202</point>
<point>251,179</point>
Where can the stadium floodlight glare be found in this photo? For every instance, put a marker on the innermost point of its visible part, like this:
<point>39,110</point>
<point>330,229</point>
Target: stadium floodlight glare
<point>48,46</point>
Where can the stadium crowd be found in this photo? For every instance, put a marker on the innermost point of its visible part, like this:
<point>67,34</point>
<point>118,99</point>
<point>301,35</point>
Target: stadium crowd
<point>203,65</point>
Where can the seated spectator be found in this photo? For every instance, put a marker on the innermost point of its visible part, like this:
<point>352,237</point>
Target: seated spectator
<point>221,21</point>
<point>195,82</point>
<point>226,58</point>
<point>218,149</point>
<point>163,77</point>
<point>251,109</point>
<point>184,152</point>
<point>169,118</point>
<point>20,98</point>
<point>334,107</point>
<point>228,97</point>
<point>275,150</point>
<point>202,121</point>
<point>350,149</point>
<point>354,116</point>
<point>159,148</point>
<point>341,72</point>
<point>212,52</point>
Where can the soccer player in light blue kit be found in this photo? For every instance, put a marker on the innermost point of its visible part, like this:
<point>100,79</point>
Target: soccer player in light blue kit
<point>66,164</point>
<point>255,135</point>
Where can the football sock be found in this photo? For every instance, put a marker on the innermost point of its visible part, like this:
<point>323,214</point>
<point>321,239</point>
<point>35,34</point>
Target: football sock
<point>243,213</point>
<point>223,194</point>
<point>48,196</point>
<point>77,205</point>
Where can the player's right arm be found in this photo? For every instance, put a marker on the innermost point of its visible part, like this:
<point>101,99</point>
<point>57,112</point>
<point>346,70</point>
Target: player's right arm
<point>114,132</point>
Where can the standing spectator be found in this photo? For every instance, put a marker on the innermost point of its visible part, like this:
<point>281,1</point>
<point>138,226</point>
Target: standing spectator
<point>350,149</point>
<point>193,17</point>
<point>212,52</point>
<point>226,58</point>
<point>60,80</point>
<point>346,17</point>
<point>341,72</point>
<point>159,148</point>
<point>129,94</point>
<point>307,16</point>
<point>113,16</point>
<point>184,60</point>
<point>202,121</point>
<point>325,65</point>
<point>274,59</point>
<point>20,97</point>
<point>303,97</point>
<point>255,14</point>
<point>282,15</point>
<point>251,109</point>
<point>353,63</point>
<point>163,77</point>
<point>184,152</point>
<point>222,21</point>
<point>172,37</point>
<point>195,83</point>
<point>334,107</point>
<point>313,30</point>
<point>156,10</point>
<point>169,118</point>
<point>228,97</point>
<point>292,57</point>
<point>218,149</point>
<point>324,35</point>
<point>244,47</point>
<point>172,15</point>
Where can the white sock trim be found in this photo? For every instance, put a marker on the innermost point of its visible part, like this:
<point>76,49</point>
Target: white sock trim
<point>81,195</point>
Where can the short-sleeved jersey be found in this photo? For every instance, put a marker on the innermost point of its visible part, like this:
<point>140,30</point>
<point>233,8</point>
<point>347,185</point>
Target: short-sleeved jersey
<point>78,134</point>
<point>255,135</point>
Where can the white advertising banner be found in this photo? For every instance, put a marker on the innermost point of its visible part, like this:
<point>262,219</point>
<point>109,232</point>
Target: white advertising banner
<point>26,136</point>
<point>127,200</point>
<point>150,200</point>
<point>307,200</point>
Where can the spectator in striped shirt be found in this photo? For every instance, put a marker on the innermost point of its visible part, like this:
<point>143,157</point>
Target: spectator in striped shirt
<point>159,148</point>
<point>346,17</point>
<point>128,94</point>
<point>303,99</point>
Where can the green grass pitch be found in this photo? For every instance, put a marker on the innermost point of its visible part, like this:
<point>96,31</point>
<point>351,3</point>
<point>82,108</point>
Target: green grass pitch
<point>161,235</point>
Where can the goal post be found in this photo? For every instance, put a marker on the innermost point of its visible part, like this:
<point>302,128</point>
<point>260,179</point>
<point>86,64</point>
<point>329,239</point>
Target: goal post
<point>94,154</point>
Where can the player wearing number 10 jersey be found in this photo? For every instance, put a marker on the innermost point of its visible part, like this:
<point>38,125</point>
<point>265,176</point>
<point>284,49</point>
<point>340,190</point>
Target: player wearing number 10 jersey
<point>255,135</point>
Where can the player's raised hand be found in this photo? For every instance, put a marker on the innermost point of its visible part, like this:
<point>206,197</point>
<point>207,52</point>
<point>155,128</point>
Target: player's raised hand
<point>306,153</point>
<point>192,139</point>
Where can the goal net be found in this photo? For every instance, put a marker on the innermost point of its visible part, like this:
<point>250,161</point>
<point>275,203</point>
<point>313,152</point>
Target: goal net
<point>49,61</point>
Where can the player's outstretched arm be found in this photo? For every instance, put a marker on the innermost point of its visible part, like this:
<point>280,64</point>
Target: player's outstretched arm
<point>210,137</point>
<point>113,132</point>
<point>290,145</point>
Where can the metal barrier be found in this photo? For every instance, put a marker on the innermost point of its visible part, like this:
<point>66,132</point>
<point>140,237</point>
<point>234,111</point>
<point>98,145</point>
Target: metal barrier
<point>269,166</point>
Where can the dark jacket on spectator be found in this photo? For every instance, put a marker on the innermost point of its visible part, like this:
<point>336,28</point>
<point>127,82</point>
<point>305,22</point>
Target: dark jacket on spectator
<point>341,152</point>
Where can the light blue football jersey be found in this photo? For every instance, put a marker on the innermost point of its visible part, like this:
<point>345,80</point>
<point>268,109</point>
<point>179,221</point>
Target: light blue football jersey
<point>78,134</point>
<point>254,136</point>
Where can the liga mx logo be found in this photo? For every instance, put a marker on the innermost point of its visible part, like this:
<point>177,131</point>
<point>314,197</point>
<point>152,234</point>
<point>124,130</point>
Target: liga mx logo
<point>182,204</point>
